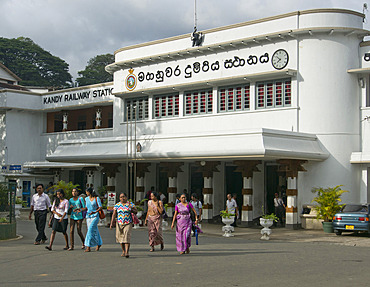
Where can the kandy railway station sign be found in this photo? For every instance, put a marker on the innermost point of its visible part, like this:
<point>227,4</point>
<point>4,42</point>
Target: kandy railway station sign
<point>83,96</point>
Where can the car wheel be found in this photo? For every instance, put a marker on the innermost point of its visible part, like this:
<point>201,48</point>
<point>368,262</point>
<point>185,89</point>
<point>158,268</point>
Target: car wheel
<point>338,232</point>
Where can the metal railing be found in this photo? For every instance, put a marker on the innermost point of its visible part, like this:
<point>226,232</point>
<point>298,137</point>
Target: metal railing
<point>7,202</point>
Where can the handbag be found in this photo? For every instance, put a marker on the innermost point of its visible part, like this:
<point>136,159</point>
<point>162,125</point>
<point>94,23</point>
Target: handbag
<point>101,212</point>
<point>135,220</point>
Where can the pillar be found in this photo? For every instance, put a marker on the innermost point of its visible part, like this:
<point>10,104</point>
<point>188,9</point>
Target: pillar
<point>141,169</point>
<point>171,192</point>
<point>291,167</point>
<point>291,211</point>
<point>56,178</point>
<point>207,168</point>
<point>89,178</point>
<point>98,118</point>
<point>247,208</point>
<point>110,169</point>
<point>207,212</point>
<point>171,168</point>
<point>247,168</point>
<point>65,121</point>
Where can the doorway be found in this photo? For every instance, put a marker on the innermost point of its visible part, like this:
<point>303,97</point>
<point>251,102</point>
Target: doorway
<point>234,184</point>
<point>275,181</point>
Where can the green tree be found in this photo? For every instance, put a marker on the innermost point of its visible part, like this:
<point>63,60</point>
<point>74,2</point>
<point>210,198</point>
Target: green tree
<point>328,201</point>
<point>67,187</point>
<point>94,72</point>
<point>34,65</point>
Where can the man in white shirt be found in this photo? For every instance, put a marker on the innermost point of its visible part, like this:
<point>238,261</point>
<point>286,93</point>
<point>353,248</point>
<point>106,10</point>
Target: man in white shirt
<point>162,197</point>
<point>40,203</point>
<point>232,207</point>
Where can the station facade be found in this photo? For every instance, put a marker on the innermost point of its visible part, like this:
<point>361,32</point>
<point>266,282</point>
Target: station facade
<point>279,104</point>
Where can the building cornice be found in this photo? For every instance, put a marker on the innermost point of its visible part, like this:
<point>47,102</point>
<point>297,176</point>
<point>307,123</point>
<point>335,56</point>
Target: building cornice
<point>242,24</point>
<point>233,45</point>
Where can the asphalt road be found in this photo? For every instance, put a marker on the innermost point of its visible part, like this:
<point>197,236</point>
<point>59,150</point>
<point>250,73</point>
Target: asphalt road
<point>216,261</point>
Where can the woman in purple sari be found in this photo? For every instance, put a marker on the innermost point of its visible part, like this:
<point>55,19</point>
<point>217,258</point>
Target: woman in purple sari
<point>184,223</point>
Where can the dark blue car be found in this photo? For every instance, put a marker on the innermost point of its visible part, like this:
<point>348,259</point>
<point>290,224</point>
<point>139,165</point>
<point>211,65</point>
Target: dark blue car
<point>352,218</point>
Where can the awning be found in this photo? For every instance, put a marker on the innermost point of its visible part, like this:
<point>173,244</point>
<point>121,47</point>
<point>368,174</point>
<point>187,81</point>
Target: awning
<point>48,165</point>
<point>259,144</point>
<point>360,157</point>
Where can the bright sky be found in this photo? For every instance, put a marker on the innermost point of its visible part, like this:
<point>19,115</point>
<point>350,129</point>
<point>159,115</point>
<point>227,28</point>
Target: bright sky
<point>77,30</point>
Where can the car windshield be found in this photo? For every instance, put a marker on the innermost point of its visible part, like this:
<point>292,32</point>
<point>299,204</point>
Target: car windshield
<point>355,208</point>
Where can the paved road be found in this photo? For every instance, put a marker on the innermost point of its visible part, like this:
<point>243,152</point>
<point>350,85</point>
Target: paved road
<point>217,261</point>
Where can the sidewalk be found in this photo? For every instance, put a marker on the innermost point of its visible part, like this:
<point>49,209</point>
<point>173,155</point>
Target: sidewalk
<point>278,234</point>
<point>289,235</point>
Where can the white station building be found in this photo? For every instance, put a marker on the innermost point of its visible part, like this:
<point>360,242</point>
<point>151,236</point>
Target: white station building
<point>279,104</point>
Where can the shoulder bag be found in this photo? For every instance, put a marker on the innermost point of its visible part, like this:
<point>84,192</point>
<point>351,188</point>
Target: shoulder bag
<point>101,212</point>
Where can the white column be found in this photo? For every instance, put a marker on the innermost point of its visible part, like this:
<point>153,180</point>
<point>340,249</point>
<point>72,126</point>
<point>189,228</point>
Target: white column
<point>291,208</point>
<point>207,212</point>
<point>98,119</point>
<point>172,189</point>
<point>139,189</point>
<point>65,122</point>
<point>247,208</point>
<point>56,176</point>
<point>19,188</point>
<point>89,178</point>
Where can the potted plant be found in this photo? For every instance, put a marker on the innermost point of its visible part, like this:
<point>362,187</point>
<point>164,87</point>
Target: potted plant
<point>266,221</point>
<point>227,219</point>
<point>328,200</point>
<point>18,206</point>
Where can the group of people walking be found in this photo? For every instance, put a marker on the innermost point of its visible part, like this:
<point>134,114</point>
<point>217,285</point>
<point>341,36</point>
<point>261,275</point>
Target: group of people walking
<point>122,219</point>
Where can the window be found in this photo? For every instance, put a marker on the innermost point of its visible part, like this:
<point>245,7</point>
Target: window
<point>272,94</point>
<point>166,106</point>
<point>58,123</point>
<point>81,122</point>
<point>198,102</point>
<point>235,98</point>
<point>138,107</point>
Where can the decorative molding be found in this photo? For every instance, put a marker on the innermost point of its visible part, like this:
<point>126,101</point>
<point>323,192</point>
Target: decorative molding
<point>291,192</point>
<point>207,190</point>
<point>247,191</point>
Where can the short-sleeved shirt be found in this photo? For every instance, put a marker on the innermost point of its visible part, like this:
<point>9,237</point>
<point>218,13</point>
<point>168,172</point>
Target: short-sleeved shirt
<point>124,212</point>
<point>76,204</point>
<point>197,205</point>
<point>92,206</point>
<point>61,208</point>
<point>231,205</point>
<point>40,202</point>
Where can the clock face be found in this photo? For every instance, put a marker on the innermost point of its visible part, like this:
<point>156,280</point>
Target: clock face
<point>280,59</point>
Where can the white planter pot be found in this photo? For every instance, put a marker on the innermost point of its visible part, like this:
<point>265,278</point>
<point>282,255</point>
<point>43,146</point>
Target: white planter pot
<point>266,231</point>
<point>18,210</point>
<point>228,229</point>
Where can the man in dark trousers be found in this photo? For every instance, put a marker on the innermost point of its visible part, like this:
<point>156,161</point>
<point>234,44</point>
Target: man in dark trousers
<point>40,204</point>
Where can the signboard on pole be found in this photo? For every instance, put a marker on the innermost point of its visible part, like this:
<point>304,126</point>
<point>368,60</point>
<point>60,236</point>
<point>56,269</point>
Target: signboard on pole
<point>111,200</point>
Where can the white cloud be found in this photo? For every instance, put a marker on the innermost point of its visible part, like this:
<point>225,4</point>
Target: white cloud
<point>77,30</point>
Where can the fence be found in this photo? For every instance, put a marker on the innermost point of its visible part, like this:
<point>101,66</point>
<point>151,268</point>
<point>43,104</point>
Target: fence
<point>7,202</point>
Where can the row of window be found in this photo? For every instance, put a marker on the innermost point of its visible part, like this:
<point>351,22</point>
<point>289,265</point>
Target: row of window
<point>269,94</point>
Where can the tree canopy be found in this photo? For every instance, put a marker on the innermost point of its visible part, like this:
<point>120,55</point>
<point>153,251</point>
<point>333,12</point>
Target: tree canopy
<point>94,72</point>
<point>34,65</point>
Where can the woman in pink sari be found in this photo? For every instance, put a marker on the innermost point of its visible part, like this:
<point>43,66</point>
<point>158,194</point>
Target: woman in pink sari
<point>154,221</point>
<point>184,223</point>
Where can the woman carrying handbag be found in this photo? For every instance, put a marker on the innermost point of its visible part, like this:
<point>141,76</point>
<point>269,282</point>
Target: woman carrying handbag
<point>122,213</point>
